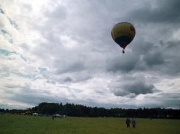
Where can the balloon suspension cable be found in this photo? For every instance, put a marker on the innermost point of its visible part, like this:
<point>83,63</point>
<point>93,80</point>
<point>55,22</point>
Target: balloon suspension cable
<point>123,45</point>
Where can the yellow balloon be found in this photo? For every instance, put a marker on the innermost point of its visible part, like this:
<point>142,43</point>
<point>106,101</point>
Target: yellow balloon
<point>123,33</point>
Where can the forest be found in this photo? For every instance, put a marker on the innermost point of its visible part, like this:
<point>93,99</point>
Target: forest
<point>77,110</point>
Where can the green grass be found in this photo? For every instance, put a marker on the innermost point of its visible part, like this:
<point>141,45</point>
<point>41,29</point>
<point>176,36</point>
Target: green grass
<point>19,124</point>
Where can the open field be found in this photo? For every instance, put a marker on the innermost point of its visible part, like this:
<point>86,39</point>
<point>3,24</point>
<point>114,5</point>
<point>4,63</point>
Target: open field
<point>20,124</point>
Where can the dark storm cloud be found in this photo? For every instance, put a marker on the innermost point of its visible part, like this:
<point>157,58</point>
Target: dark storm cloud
<point>150,56</point>
<point>153,58</point>
<point>123,64</point>
<point>133,86</point>
<point>166,11</point>
<point>141,59</point>
<point>164,59</point>
<point>161,57</point>
<point>171,55</point>
<point>68,79</point>
<point>139,87</point>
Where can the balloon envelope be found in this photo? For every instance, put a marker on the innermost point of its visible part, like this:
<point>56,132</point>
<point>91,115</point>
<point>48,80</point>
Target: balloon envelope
<point>123,33</point>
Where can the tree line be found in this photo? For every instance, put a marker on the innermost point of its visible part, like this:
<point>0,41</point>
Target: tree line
<point>77,110</point>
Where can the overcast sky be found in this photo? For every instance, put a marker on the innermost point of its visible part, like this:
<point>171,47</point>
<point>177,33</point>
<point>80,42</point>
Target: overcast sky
<point>62,51</point>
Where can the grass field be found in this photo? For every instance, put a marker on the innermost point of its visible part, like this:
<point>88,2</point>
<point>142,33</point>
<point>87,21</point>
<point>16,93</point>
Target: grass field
<point>19,124</point>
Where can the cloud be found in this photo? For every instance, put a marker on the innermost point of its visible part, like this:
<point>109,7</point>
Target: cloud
<point>57,13</point>
<point>159,12</point>
<point>132,87</point>
<point>63,51</point>
<point>124,64</point>
<point>163,100</point>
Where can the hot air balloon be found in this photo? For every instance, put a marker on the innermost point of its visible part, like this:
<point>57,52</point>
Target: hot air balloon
<point>123,33</point>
